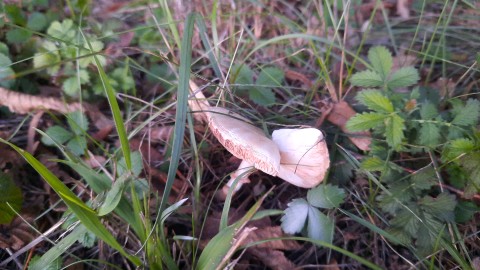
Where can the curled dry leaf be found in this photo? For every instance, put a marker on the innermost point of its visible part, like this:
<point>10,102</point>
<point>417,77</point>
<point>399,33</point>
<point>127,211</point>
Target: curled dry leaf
<point>271,252</point>
<point>339,116</point>
<point>24,103</point>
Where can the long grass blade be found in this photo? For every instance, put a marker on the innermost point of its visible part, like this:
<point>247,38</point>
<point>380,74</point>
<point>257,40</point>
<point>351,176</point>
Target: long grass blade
<point>84,213</point>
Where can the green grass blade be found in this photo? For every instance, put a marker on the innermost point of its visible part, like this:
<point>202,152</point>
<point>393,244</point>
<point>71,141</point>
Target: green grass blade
<point>117,115</point>
<point>327,245</point>
<point>216,250</point>
<point>170,21</point>
<point>182,105</point>
<point>211,56</point>
<point>84,213</point>
<point>228,201</point>
<point>58,249</point>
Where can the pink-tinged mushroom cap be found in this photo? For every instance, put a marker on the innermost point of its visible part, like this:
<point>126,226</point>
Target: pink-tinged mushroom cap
<point>304,156</point>
<point>244,140</point>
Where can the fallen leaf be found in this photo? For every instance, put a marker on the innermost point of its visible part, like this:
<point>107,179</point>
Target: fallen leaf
<point>339,115</point>
<point>18,233</point>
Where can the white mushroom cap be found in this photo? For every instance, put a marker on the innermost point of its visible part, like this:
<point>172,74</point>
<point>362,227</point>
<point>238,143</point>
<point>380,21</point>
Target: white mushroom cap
<point>244,140</point>
<point>304,156</point>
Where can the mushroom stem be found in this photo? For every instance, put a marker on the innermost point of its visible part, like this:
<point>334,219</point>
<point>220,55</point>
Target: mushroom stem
<point>198,103</point>
<point>243,171</point>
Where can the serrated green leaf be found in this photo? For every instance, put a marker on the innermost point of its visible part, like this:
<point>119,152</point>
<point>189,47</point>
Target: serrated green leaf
<point>124,79</point>
<point>429,233</point>
<point>71,86</point>
<point>270,77</point>
<point>403,77</point>
<point>372,164</point>
<point>262,96</point>
<point>326,196</point>
<point>78,122</point>
<point>375,101</point>
<point>407,221</point>
<point>367,78</point>
<point>441,207</point>
<point>18,35</point>
<point>57,134</point>
<point>114,195</point>
<point>424,179</point>
<point>465,211</point>
<point>470,164</point>
<point>400,192</point>
<point>87,239</point>
<point>137,164</point>
<point>429,134</point>
<point>243,77</point>
<point>11,198</point>
<point>381,60</point>
<point>320,227</point>
<point>48,56</point>
<point>457,148</point>
<point>428,111</point>
<point>7,74</point>
<point>295,216</point>
<point>37,21</point>
<point>78,145</point>
<point>63,31</point>
<point>394,126</point>
<point>365,121</point>
<point>467,115</point>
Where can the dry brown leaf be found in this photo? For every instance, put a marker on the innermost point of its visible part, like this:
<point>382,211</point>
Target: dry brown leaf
<point>402,59</point>
<point>18,233</point>
<point>297,76</point>
<point>274,259</point>
<point>24,103</point>
<point>339,115</point>
<point>162,133</point>
<point>271,232</point>
<point>270,252</point>
<point>445,86</point>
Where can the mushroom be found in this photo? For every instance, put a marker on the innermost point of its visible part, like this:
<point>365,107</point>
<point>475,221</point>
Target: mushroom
<point>304,158</point>
<point>298,156</point>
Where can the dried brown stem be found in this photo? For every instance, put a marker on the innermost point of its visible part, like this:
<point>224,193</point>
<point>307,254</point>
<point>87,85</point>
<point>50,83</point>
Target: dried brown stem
<point>25,103</point>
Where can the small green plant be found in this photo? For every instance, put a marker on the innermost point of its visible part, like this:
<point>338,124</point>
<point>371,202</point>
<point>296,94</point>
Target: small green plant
<point>408,123</point>
<point>260,92</point>
<point>6,71</point>
<point>304,213</point>
<point>11,200</point>
<point>74,139</point>
<point>68,57</point>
